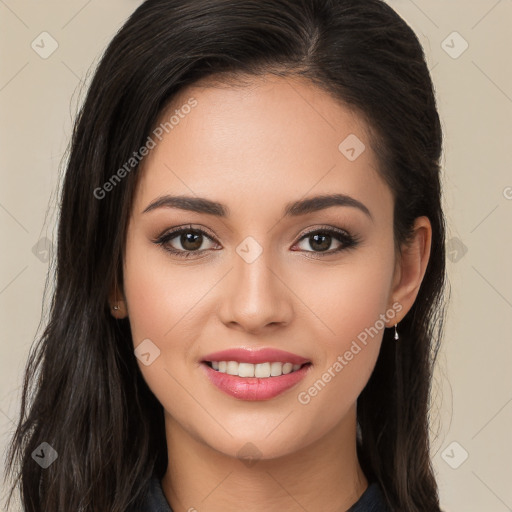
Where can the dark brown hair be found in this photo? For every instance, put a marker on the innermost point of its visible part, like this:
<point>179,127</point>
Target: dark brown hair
<point>83,391</point>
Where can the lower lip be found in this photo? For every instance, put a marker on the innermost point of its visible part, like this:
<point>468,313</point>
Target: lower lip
<point>254,388</point>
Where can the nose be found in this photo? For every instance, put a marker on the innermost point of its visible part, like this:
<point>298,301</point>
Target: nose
<point>255,297</point>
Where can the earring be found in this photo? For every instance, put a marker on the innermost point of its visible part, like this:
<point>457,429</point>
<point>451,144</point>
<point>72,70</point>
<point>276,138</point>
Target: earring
<point>116,307</point>
<point>396,333</point>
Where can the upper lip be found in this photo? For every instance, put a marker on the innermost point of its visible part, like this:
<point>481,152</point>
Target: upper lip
<point>264,355</point>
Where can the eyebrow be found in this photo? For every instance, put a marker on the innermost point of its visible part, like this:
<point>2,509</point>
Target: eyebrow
<point>293,209</point>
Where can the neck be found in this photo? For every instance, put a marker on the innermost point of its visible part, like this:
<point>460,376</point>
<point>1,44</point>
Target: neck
<point>325,475</point>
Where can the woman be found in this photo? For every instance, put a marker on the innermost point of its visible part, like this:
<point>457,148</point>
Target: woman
<point>250,269</point>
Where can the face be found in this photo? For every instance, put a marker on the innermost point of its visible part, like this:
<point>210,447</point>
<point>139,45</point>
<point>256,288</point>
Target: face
<point>314,281</point>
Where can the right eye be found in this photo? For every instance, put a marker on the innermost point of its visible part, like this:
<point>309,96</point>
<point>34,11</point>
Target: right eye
<point>190,239</point>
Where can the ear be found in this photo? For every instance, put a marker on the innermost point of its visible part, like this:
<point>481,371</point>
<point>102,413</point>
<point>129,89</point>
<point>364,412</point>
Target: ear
<point>117,303</point>
<point>411,266</point>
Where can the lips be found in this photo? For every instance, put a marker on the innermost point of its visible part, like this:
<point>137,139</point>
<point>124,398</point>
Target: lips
<point>258,387</point>
<point>267,355</point>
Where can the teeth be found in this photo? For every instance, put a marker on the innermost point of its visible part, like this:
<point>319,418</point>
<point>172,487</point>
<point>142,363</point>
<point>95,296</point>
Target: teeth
<point>246,370</point>
<point>287,368</point>
<point>276,369</point>
<point>260,370</point>
<point>232,368</point>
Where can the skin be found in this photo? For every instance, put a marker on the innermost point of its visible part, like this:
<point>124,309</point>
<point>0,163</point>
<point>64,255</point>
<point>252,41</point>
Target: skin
<point>254,149</point>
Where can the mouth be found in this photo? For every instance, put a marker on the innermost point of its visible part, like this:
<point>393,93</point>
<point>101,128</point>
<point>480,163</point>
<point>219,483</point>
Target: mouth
<point>265,370</point>
<point>254,374</point>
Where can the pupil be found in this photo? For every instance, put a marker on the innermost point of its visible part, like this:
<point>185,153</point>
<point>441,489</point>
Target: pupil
<point>322,246</point>
<point>190,238</point>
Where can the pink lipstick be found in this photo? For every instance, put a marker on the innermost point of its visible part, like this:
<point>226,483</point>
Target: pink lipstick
<point>254,374</point>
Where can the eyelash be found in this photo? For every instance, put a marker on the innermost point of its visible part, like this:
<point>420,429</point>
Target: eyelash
<point>348,241</point>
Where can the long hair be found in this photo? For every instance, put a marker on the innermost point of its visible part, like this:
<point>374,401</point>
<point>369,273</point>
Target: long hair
<point>83,392</point>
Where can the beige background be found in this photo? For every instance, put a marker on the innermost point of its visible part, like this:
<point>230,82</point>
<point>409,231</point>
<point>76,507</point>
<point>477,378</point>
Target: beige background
<point>38,100</point>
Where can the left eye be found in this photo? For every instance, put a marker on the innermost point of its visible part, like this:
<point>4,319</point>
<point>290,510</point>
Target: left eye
<point>322,239</point>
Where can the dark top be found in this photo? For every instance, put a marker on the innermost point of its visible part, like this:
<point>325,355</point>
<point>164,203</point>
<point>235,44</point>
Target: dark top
<point>370,501</point>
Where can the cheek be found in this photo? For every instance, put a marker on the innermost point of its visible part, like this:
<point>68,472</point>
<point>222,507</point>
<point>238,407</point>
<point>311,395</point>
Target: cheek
<point>347,300</point>
<point>163,299</point>
<point>160,300</point>
<point>352,306</point>
<point>160,294</point>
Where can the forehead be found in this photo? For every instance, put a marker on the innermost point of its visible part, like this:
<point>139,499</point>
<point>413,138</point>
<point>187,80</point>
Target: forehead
<point>266,142</point>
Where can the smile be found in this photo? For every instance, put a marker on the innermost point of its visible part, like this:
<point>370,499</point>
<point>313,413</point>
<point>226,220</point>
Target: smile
<point>254,374</point>
<point>260,370</point>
